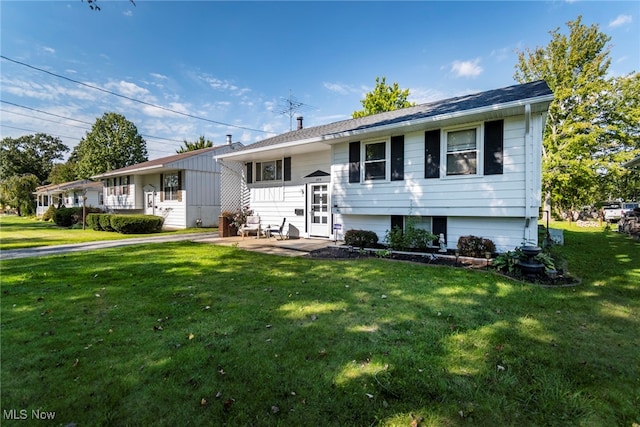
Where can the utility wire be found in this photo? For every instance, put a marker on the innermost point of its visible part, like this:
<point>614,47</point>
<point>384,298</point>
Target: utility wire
<point>132,99</point>
<point>68,118</point>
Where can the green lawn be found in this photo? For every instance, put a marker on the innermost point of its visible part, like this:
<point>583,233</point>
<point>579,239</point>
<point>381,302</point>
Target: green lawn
<point>20,232</point>
<point>194,334</point>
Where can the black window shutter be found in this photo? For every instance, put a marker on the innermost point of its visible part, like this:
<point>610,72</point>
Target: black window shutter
<point>161,182</point>
<point>249,166</point>
<point>432,154</point>
<point>493,147</point>
<point>354,161</point>
<point>397,221</point>
<point>397,158</point>
<point>179,180</point>
<point>439,225</point>
<point>287,168</point>
<point>258,171</point>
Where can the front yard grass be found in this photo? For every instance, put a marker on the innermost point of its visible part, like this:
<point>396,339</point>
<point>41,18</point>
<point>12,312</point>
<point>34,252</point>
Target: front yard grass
<point>193,334</point>
<point>22,232</point>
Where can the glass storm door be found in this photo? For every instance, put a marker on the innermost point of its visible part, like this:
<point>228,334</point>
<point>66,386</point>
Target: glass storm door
<point>149,203</point>
<point>319,215</point>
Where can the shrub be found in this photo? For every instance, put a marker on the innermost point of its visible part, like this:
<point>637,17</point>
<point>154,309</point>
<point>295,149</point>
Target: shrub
<point>138,224</point>
<point>93,221</point>
<point>409,238</point>
<point>360,238</point>
<point>105,222</point>
<point>475,246</point>
<point>66,217</point>
<point>48,215</point>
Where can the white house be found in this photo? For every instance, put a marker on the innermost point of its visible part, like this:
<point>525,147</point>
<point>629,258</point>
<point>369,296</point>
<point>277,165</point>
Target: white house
<point>183,188</point>
<point>469,165</point>
<point>69,194</point>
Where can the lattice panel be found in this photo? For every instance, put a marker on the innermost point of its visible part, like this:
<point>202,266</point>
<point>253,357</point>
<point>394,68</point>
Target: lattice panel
<point>234,192</point>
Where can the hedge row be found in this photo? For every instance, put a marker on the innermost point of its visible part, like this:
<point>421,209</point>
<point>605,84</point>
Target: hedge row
<point>125,224</point>
<point>67,217</point>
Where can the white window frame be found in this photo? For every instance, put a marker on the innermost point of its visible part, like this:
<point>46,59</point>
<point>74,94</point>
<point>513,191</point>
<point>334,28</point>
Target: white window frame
<point>387,160</point>
<point>479,128</point>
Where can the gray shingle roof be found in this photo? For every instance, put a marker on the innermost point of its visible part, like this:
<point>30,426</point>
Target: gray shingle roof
<point>166,161</point>
<point>432,109</point>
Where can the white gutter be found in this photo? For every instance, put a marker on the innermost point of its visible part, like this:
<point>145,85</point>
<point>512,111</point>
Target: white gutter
<point>128,172</point>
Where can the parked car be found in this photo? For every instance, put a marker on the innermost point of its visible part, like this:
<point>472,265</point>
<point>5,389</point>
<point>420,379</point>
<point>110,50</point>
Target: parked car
<point>629,207</point>
<point>612,212</point>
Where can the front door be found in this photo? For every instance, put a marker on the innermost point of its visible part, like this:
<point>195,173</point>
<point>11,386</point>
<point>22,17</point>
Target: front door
<point>319,210</point>
<point>149,203</point>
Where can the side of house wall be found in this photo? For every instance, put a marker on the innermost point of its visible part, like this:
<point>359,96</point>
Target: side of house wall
<point>288,199</point>
<point>202,193</point>
<point>492,206</point>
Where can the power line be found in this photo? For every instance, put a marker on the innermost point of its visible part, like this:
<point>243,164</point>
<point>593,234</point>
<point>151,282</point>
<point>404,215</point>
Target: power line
<point>43,112</point>
<point>69,118</point>
<point>131,99</point>
<point>70,137</point>
<point>35,131</point>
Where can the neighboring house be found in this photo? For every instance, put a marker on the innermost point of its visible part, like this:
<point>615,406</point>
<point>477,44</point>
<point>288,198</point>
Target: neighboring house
<point>69,194</point>
<point>469,165</point>
<point>183,188</point>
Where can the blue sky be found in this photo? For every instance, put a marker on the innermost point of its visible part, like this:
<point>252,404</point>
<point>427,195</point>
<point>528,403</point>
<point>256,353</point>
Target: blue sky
<point>229,67</point>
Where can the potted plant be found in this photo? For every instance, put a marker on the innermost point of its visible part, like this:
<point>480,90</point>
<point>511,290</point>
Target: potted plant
<point>225,224</point>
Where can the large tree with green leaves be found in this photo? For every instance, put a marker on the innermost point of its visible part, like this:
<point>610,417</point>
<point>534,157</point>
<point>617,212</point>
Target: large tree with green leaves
<point>582,147</point>
<point>383,98</point>
<point>17,191</point>
<point>112,143</point>
<point>30,154</point>
<point>196,145</point>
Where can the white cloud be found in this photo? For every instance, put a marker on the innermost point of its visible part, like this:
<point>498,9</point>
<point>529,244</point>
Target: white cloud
<point>467,68</point>
<point>223,85</point>
<point>620,21</point>
<point>340,88</point>
<point>127,13</point>
<point>423,96</point>
<point>159,76</point>
<point>127,89</point>
<point>48,49</point>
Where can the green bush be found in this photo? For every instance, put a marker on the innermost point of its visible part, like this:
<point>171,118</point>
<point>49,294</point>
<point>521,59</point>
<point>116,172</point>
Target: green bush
<point>93,221</point>
<point>66,217</point>
<point>136,224</point>
<point>411,238</point>
<point>48,215</point>
<point>475,246</point>
<point>360,238</point>
<point>105,222</point>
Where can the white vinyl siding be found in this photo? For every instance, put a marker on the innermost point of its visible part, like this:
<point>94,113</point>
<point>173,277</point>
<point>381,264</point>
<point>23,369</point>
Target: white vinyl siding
<point>275,200</point>
<point>475,195</point>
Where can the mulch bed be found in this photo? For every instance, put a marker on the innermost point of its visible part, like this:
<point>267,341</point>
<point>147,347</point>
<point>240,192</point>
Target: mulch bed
<point>340,253</point>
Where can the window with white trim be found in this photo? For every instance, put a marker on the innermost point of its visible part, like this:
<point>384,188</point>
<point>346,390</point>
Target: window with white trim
<point>462,151</point>
<point>375,161</point>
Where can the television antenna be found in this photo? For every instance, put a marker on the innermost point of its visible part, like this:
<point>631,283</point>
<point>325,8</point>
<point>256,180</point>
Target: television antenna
<point>291,107</point>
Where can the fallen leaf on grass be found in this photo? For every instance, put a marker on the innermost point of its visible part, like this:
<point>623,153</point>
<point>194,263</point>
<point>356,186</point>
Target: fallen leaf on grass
<point>191,336</point>
<point>75,363</point>
<point>203,401</point>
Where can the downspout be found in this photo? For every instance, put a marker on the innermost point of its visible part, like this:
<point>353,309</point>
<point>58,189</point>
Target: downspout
<point>528,171</point>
